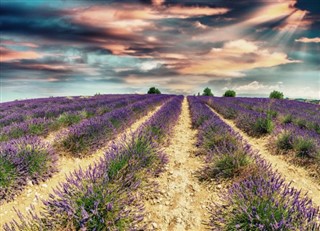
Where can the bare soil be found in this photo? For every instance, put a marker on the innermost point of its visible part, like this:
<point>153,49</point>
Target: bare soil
<point>181,203</point>
<point>298,176</point>
<point>33,194</point>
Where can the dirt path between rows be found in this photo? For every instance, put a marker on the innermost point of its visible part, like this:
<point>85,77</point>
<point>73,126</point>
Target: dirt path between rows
<point>33,194</point>
<point>181,203</point>
<point>297,175</point>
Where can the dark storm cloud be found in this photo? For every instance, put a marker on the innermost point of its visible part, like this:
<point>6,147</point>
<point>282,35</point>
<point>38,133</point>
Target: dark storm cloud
<point>51,24</point>
<point>312,6</point>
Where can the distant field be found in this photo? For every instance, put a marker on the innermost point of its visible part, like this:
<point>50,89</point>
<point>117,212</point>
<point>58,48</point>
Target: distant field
<point>159,162</point>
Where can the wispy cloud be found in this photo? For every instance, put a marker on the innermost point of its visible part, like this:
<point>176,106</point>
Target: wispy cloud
<point>234,58</point>
<point>308,40</point>
<point>11,55</point>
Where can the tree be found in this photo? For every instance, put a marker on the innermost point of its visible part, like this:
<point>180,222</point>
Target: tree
<point>229,93</point>
<point>276,95</point>
<point>154,90</point>
<point>207,92</point>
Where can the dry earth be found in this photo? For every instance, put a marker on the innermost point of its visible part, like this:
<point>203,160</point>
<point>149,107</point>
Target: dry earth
<point>33,194</point>
<point>182,201</point>
<point>297,175</point>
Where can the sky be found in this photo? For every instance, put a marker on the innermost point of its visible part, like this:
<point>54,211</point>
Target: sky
<point>84,47</point>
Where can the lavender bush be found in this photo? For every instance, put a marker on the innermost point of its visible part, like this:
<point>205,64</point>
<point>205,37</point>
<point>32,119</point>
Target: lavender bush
<point>301,142</point>
<point>22,160</point>
<point>265,203</point>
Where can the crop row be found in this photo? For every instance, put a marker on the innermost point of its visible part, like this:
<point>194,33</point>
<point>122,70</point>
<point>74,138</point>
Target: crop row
<point>30,159</point>
<point>254,123</point>
<point>258,198</point>
<point>288,136</point>
<point>90,134</point>
<point>27,106</point>
<point>63,116</point>
<point>56,108</point>
<point>23,160</point>
<point>303,115</point>
<point>102,197</point>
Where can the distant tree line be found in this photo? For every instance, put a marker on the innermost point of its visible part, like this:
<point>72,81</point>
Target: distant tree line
<point>228,93</point>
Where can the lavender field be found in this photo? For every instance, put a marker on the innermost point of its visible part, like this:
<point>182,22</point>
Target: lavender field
<point>159,162</point>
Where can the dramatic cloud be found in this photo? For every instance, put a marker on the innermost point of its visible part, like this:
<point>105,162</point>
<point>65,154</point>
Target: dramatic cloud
<point>180,46</point>
<point>257,86</point>
<point>234,58</point>
<point>10,55</point>
<point>308,40</point>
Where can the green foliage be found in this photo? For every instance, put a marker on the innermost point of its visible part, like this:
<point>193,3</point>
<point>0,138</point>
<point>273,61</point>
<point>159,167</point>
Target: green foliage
<point>116,165</point>
<point>103,110</point>
<point>287,119</point>
<point>229,93</point>
<point>7,173</point>
<point>305,147</point>
<point>115,122</point>
<point>37,159</point>
<point>207,92</point>
<point>263,126</point>
<point>265,210</point>
<point>142,148</point>
<point>276,95</point>
<point>301,123</point>
<point>15,133</point>
<point>284,141</point>
<point>229,164</point>
<point>36,129</point>
<point>156,132</point>
<point>272,113</point>
<point>68,119</point>
<point>154,90</point>
<point>211,140</point>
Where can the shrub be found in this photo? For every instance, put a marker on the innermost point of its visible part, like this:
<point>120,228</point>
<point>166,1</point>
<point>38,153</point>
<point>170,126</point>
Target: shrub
<point>254,124</point>
<point>207,92</point>
<point>229,93</point>
<point>301,123</point>
<point>213,141</point>
<point>284,141</point>
<point>22,159</point>
<point>154,90</point>
<point>276,95</point>
<point>305,147</point>
<point>264,203</point>
<point>68,119</point>
<point>229,164</point>
<point>287,119</point>
<point>263,126</point>
<point>8,173</point>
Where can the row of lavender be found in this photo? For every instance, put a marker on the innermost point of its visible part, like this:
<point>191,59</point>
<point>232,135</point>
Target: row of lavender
<point>36,105</point>
<point>61,115</point>
<point>45,108</point>
<point>30,159</point>
<point>291,133</point>
<point>103,196</point>
<point>258,198</point>
<point>87,136</point>
<point>304,115</point>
